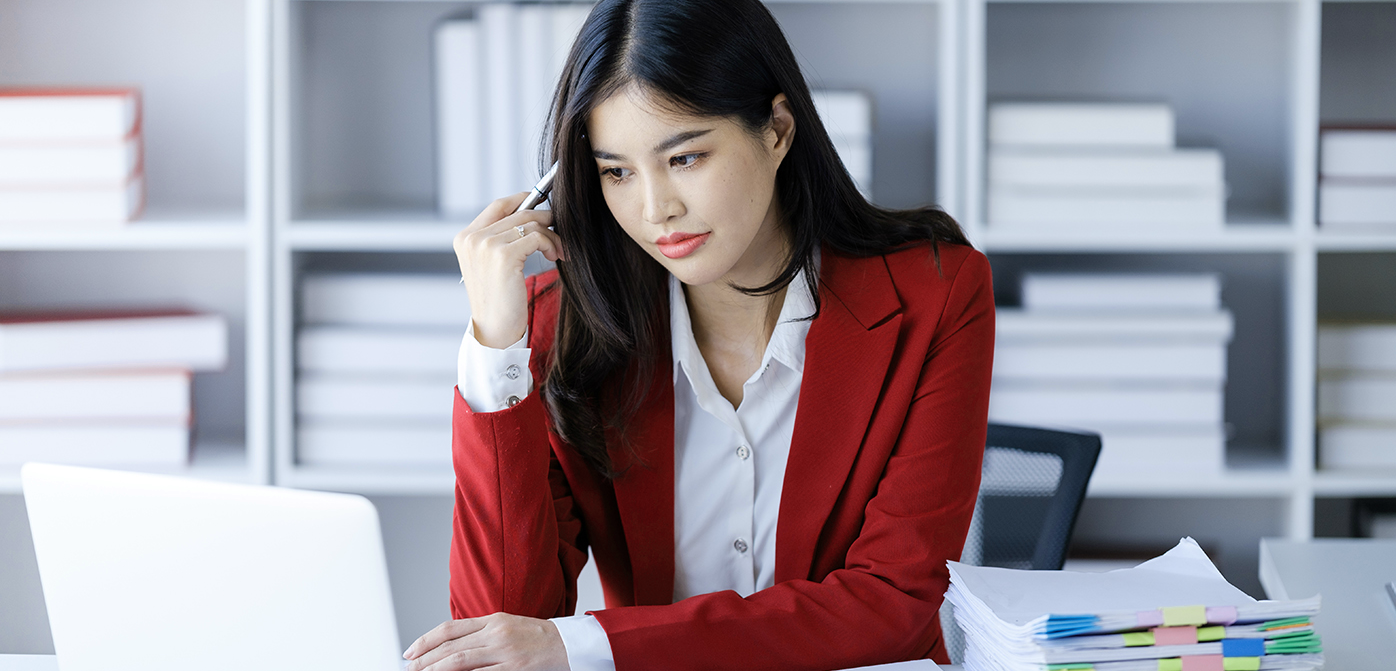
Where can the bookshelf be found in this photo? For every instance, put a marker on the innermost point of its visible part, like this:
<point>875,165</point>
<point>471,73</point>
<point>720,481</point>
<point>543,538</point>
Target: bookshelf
<point>287,135</point>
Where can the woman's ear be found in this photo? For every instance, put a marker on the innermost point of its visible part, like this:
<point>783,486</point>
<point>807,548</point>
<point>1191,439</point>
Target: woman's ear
<point>782,131</point>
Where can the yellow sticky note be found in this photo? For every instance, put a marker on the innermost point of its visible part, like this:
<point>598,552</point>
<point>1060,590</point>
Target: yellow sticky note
<point>1136,638</point>
<point>1173,664</point>
<point>1182,616</point>
<point>1241,664</point>
<point>1205,634</point>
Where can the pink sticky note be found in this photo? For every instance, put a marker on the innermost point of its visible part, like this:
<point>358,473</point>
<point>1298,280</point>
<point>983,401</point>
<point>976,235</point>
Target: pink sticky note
<point>1175,635</point>
<point>1203,663</point>
<point>1221,615</point>
<point>1149,618</point>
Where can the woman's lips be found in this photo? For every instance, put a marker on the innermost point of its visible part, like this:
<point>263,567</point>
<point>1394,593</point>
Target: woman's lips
<point>679,245</point>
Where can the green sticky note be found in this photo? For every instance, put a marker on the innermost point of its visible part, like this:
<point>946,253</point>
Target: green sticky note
<point>1182,616</point>
<point>1241,664</point>
<point>1136,638</point>
<point>1276,624</point>
<point>1205,634</point>
<point>1171,664</point>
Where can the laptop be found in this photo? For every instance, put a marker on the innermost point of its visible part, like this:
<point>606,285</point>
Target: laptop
<point>150,572</point>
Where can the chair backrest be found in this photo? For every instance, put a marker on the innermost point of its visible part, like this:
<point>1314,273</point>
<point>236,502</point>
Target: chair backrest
<point>1031,488</point>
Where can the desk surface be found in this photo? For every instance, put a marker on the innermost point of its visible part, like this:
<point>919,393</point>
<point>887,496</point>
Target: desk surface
<point>1356,620</point>
<point>50,663</point>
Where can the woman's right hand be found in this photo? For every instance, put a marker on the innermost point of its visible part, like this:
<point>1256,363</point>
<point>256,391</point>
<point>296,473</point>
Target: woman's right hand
<point>491,252</point>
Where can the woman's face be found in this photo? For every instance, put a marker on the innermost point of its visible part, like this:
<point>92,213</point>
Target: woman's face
<point>696,193</point>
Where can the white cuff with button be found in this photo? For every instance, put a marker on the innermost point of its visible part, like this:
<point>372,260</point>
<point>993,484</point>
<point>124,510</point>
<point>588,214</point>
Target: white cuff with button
<point>492,379</point>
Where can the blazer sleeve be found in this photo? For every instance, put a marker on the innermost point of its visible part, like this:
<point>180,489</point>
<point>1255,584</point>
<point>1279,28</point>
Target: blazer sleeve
<point>516,544</point>
<point>882,605</point>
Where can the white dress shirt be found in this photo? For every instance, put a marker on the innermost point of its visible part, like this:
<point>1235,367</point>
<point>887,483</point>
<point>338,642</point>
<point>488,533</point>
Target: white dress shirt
<point>729,463</point>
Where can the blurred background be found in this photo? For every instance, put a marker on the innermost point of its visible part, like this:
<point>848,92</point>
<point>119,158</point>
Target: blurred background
<point>1189,206</point>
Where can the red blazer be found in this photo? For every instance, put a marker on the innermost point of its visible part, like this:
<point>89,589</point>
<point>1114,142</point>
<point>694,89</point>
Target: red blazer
<point>879,488</point>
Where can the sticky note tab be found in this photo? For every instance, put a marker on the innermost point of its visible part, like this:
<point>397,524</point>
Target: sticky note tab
<point>1203,663</point>
<point>1175,635</point>
<point>1137,638</point>
<point>1149,618</point>
<point>1221,615</point>
<point>1173,664</point>
<point>1208,634</point>
<point>1241,664</point>
<point>1243,647</point>
<point>1179,616</point>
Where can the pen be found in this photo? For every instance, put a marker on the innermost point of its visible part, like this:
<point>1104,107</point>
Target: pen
<point>539,192</point>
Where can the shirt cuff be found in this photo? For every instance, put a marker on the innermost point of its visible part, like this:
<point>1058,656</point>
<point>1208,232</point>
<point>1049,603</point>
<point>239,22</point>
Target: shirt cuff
<point>492,379</point>
<point>588,649</point>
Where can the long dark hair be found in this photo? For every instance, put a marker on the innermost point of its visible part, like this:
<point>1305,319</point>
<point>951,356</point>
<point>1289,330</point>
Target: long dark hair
<point>721,58</point>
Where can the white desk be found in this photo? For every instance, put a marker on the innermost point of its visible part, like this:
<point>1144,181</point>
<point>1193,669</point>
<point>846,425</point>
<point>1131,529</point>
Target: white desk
<point>1357,620</point>
<point>50,663</point>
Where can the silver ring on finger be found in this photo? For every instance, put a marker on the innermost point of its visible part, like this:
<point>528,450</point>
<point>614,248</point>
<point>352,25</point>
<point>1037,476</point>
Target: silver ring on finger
<point>521,231</point>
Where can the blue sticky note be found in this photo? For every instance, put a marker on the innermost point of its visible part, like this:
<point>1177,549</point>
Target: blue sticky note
<point>1243,647</point>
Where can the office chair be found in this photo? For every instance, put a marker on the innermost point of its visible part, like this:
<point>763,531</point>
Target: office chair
<point>1031,488</point>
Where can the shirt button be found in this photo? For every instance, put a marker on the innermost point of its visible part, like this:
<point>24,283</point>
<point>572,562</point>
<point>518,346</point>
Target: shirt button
<point>743,452</point>
<point>513,401</point>
<point>512,372</point>
<point>739,545</point>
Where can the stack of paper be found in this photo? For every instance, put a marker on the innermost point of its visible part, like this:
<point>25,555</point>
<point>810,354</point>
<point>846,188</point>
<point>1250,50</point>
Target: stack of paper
<point>376,357</point>
<point>1357,179</point>
<point>1055,165</point>
<point>70,156</point>
<point>847,115</point>
<point>1357,395</point>
<point>495,77</point>
<point>1139,359</point>
<point>1172,613</point>
<point>103,388</point>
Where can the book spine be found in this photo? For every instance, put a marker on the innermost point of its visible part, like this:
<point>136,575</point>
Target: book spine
<point>1345,203</point>
<point>1036,327</point>
<point>378,351</point>
<point>1122,292</point>
<point>1357,398</point>
<point>67,116</point>
<point>338,397</point>
<point>126,397</point>
<point>1104,362</point>
<point>1360,348</point>
<point>1358,153</point>
<point>1080,124</point>
<point>1357,446</point>
<point>1104,405</point>
<point>96,445</point>
<point>1103,171</point>
<point>1034,209</point>
<point>368,444</point>
<point>196,342</point>
<point>367,299</point>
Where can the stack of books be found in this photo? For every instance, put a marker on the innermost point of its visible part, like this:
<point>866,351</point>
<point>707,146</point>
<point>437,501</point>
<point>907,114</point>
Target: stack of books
<point>1357,395</point>
<point>495,73</point>
<point>376,358</point>
<point>1357,178</point>
<point>1172,613</point>
<point>1139,359</point>
<point>847,116</point>
<point>70,156</point>
<point>1113,166</point>
<point>103,388</point>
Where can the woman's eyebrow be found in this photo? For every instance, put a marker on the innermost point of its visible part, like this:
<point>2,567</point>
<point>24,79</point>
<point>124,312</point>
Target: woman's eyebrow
<point>669,143</point>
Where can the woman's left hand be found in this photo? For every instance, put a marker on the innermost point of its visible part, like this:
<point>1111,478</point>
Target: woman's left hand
<point>501,641</point>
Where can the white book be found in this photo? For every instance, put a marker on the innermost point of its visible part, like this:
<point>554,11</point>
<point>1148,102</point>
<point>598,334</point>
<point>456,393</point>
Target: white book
<point>1110,362</point>
<point>96,444</point>
<point>373,444</point>
<point>65,115</point>
<point>112,339</point>
<point>460,123</point>
<point>1057,209</point>
<point>1127,452</point>
<point>153,396</point>
<point>1122,291</point>
<point>358,397</point>
<point>1107,169</point>
<point>499,30</point>
<point>1357,397</point>
<point>85,164</point>
<point>1014,326</point>
<point>1081,124</point>
<point>1356,203</point>
<point>1090,406</point>
<point>534,84</point>
<point>389,351</point>
<point>106,205</point>
<point>1357,347</point>
<point>1357,446</point>
<point>1357,153</point>
<point>385,299</point>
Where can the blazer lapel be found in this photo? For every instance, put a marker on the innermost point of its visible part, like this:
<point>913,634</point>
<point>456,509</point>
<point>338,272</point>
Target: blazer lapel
<point>847,354</point>
<point>645,491</point>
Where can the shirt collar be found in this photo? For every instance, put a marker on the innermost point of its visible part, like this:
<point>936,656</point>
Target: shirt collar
<point>787,345</point>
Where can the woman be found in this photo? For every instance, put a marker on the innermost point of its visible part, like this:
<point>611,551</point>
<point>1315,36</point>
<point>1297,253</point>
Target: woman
<point>760,401</point>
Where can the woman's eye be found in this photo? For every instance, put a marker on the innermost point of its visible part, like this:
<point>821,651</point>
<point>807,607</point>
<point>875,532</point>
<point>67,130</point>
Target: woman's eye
<point>684,160</point>
<point>614,174</point>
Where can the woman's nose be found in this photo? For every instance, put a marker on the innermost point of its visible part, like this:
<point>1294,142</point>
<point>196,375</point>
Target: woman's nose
<point>661,202</point>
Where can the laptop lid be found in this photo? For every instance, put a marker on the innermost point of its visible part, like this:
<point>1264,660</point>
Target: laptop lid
<point>155,572</point>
